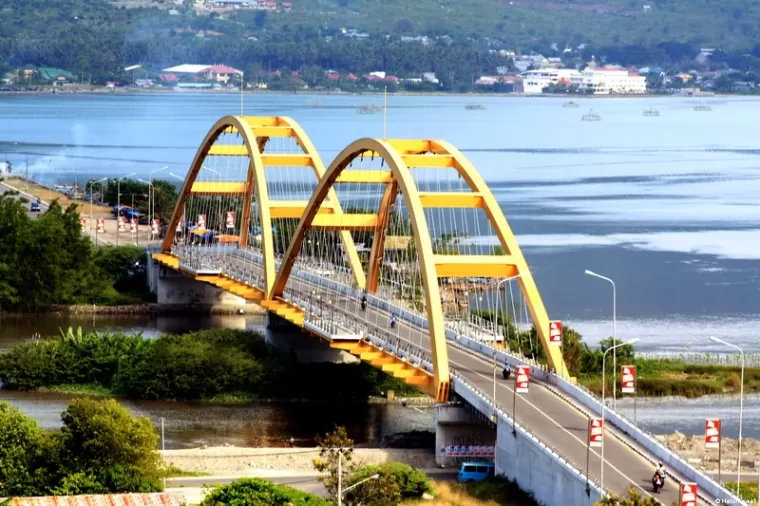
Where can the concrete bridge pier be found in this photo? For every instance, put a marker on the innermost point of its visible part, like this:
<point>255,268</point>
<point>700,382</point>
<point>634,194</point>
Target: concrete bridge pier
<point>173,288</point>
<point>459,426</point>
<point>284,335</point>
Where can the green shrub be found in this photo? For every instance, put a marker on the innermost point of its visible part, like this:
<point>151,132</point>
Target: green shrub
<point>258,492</point>
<point>396,482</point>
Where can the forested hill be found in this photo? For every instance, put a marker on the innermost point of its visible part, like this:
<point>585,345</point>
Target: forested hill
<point>99,38</point>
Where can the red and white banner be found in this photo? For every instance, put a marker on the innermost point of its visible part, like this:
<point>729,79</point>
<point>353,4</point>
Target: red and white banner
<point>133,225</point>
<point>83,224</point>
<point>712,433</point>
<point>688,494</point>
<point>179,225</point>
<point>122,222</point>
<point>201,221</point>
<point>595,432</point>
<point>101,225</point>
<point>628,379</point>
<point>467,451</point>
<point>555,333</point>
<point>522,379</point>
<point>231,219</point>
<point>154,227</point>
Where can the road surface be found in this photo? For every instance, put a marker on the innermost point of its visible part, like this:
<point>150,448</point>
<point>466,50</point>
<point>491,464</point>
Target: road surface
<point>6,189</point>
<point>558,423</point>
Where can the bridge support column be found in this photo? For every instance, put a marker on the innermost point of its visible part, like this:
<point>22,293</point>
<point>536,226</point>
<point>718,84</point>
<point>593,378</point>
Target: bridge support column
<point>459,426</point>
<point>176,289</point>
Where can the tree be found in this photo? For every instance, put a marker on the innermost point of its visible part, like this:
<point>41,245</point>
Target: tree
<point>255,491</point>
<point>396,482</point>
<point>336,451</point>
<point>102,441</point>
<point>20,441</point>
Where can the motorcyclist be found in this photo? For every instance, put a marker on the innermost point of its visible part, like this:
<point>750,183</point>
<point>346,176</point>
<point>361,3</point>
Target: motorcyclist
<point>506,371</point>
<point>364,302</point>
<point>658,480</point>
<point>393,321</point>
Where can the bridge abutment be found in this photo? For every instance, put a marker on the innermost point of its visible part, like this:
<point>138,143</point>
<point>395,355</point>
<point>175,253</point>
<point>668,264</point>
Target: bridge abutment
<point>176,289</point>
<point>458,426</point>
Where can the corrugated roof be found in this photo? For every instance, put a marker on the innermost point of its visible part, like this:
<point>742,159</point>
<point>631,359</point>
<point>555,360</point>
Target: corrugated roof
<point>187,68</point>
<point>157,499</point>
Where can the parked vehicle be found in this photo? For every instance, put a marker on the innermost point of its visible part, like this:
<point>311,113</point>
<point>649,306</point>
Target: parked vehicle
<point>475,471</point>
<point>35,207</point>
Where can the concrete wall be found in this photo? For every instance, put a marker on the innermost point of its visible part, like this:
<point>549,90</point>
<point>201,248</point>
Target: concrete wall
<point>458,426</point>
<point>176,288</point>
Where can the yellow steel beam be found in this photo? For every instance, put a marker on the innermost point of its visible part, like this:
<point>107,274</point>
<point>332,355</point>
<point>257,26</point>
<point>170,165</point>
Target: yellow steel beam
<point>263,121</point>
<point>410,146</point>
<point>217,188</point>
<point>452,200</point>
<point>429,161</point>
<point>293,209</point>
<point>475,266</point>
<point>345,222</point>
<point>272,131</point>
<point>287,160</point>
<point>365,176</point>
<point>228,150</point>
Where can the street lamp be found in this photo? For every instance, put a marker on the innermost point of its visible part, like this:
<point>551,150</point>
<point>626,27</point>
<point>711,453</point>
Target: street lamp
<point>741,411</point>
<point>341,493</point>
<point>150,221</point>
<point>614,322</point>
<point>151,214</point>
<point>498,285</point>
<point>203,167</point>
<point>604,423</point>
<point>118,203</point>
<point>92,183</point>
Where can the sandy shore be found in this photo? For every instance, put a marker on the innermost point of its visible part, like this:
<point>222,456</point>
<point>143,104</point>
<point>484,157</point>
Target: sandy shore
<point>693,449</point>
<point>231,460</point>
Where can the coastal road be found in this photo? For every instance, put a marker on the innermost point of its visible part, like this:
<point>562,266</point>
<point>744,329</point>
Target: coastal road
<point>7,189</point>
<point>558,423</point>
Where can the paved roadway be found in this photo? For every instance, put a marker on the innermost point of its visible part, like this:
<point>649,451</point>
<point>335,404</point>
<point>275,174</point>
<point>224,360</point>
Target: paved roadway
<point>43,207</point>
<point>558,423</point>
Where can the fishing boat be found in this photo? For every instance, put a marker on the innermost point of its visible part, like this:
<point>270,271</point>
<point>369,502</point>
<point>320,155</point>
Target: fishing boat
<point>651,112</point>
<point>570,104</point>
<point>702,107</point>
<point>473,107</point>
<point>591,116</point>
<point>368,109</point>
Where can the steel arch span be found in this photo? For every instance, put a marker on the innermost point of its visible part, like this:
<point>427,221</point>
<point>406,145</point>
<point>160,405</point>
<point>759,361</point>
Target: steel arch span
<point>399,156</point>
<point>256,132</point>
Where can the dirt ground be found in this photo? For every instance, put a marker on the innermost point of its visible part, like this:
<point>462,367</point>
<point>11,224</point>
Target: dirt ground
<point>50,195</point>
<point>693,449</point>
<point>231,460</point>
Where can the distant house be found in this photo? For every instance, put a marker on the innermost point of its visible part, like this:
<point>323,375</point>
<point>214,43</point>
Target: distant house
<point>287,6</point>
<point>168,78</point>
<point>218,73</point>
<point>55,75</point>
<point>332,76</point>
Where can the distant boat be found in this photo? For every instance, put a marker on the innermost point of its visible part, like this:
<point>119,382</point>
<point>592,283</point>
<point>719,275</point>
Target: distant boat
<point>369,109</point>
<point>651,112</point>
<point>570,104</point>
<point>591,116</point>
<point>474,106</point>
<point>702,107</point>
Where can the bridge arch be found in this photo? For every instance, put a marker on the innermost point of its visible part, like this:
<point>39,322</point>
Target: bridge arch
<point>255,132</point>
<point>400,156</point>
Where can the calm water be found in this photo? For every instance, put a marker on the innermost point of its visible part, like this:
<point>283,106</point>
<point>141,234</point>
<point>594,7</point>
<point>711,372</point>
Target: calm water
<point>666,206</point>
<point>188,425</point>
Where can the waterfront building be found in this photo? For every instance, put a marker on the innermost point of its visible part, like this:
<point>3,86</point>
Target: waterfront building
<point>534,81</point>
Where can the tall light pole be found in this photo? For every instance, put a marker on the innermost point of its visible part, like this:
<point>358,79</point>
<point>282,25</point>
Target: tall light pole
<point>203,167</point>
<point>498,291</point>
<point>92,183</point>
<point>614,324</point>
<point>341,493</point>
<point>604,422</point>
<point>150,221</point>
<point>741,411</point>
<point>151,214</point>
<point>118,203</point>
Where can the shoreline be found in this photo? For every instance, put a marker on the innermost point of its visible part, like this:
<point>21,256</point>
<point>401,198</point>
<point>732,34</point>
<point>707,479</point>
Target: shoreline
<point>141,309</point>
<point>150,91</point>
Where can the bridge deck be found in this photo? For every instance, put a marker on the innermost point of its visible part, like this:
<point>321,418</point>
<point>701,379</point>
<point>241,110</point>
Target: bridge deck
<point>558,423</point>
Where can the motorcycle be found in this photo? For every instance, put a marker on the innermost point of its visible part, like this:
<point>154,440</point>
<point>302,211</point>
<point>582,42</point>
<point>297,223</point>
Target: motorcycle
<point>364,305</point>
<point>658,482</point>
<point>506,373</point>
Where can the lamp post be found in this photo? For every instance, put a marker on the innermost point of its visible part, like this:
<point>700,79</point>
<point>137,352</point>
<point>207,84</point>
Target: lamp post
<point>92,183</point>
<point>614,324</point>
<point>118,203</point>
<point>741,411</point>
<point>604,423</point>
<point>203,167</point>
<point>342,492</point>
<point>498,291</point>
<point>151,213</point>
<point>150,221</point>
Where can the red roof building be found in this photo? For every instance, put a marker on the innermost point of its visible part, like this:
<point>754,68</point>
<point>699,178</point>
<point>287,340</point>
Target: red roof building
<point>352,77</point>
<point>287,6</point>
<point>333,76</point>
<point>168,78</point>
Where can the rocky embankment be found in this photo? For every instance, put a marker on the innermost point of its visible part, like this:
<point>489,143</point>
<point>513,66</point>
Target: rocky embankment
<point>693,449</point>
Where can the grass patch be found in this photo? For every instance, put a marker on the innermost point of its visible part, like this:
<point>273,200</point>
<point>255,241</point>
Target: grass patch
<point>90,389</point>
<point>176,472</point>
<point>492,492</point>
<point>747,489</point>
<point>658,378</point>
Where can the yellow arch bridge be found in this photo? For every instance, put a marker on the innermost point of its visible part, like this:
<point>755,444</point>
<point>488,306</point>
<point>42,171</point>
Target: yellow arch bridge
<point>408,224</point>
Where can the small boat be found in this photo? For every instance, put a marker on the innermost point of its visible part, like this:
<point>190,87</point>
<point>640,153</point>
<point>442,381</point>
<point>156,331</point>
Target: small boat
<point>591,116</point>
<point>474,107</point>
<point>368,109</point>
<point>570,104</point>
<point>702,107</point>
<point>651,112</point>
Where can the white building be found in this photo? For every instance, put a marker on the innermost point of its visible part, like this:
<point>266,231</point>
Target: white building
<point>534,81</point>
<point>607,81</point>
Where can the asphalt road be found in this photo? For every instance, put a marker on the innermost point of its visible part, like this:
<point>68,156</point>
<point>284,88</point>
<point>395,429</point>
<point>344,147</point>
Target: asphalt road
<point>558,423</point>
<point>43,207</point>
